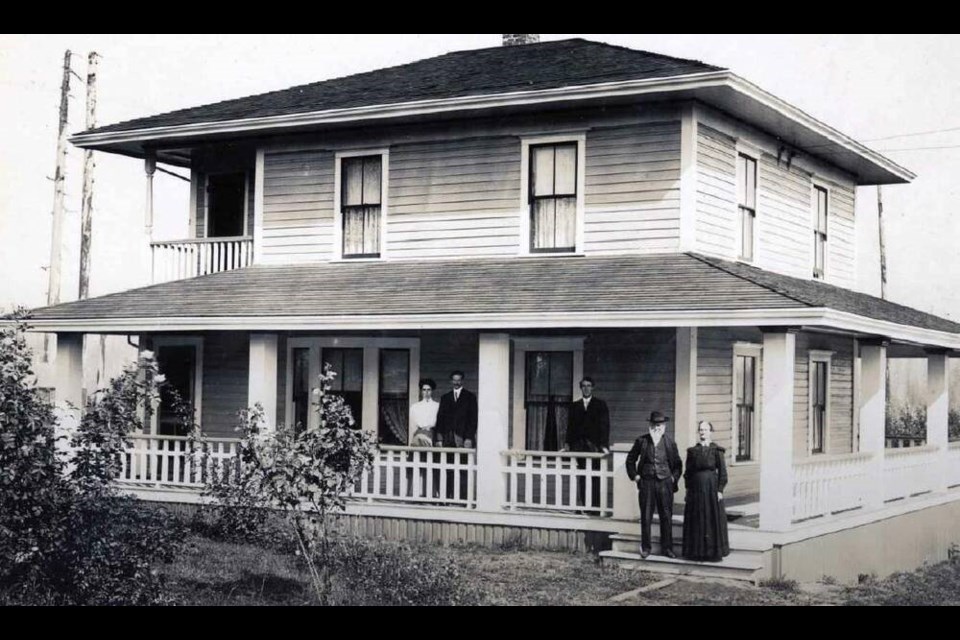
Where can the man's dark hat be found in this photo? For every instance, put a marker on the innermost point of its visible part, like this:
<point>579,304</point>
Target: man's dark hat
<point>658,418</point>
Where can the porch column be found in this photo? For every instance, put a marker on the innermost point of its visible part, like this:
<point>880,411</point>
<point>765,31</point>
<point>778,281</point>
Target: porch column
<point>149,167</point>
<point>777,418</point>
<point>69,382</point>
<point>262,385</point>
<point>493,398</point>
<point>685,411</point>
<point>873,404</point>
<point>625,504</point>
<point>938,384</point>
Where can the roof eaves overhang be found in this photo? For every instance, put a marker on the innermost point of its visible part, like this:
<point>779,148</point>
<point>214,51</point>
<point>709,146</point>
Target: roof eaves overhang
<point>722,89</point>
<point>812,318</point>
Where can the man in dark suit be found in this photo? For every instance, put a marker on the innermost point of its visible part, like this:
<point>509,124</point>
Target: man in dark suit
<point>588,430</point>
<point>654,462</point>
<point>456,425</point>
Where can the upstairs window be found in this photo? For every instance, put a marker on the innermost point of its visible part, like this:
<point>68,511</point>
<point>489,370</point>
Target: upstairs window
<point>361,199</point>
<point>553,197</point>
<point>820,233</point>
<point>747,204</point>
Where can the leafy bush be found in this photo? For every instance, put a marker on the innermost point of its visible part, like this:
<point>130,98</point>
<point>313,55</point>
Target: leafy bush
<point>302,474</point>
<point>904,421</point>
<point>786,585</point>
<point>382,573</point>
<point>66,535</point>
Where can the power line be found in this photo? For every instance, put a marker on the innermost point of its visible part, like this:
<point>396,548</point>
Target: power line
<point>917,133</point>
<point>952,146</point>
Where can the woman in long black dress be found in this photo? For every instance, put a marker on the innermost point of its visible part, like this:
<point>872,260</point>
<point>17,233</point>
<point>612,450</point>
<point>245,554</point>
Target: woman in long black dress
<point>704,518</point>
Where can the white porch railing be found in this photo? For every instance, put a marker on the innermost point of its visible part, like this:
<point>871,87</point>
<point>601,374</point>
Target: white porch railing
<point>435,475</point>
<point>174,461</point>
<point>953,464</point>
<point>179,259</point>
<point>828,484</point>
<point>555,481</point>
<point>907,472</point>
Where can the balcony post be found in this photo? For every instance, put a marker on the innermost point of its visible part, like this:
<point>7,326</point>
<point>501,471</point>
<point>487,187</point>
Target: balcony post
<point>150,167</point>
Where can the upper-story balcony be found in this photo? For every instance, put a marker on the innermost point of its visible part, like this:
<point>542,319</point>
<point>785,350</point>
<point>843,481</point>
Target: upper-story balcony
<point>179,259</point>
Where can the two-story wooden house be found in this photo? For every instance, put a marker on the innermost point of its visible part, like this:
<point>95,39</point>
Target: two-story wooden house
<point>530,215</point>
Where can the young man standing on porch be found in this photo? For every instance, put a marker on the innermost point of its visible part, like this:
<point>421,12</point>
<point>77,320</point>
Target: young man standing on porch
<point>588,430</point>
<point>456,424</point>
<point>654,462</point>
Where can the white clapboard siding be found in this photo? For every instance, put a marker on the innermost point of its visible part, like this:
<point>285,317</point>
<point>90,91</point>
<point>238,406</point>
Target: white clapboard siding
<point>632,191</point>
<point>715,398</point>
<point>716,225</point>
<point>841,237</point>
<point>298,206</point>
<point>454,198</point>
<point>784,241</point>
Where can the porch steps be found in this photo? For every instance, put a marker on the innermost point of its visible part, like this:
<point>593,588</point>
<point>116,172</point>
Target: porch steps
<point>747,510</point>
<point>741,564</point>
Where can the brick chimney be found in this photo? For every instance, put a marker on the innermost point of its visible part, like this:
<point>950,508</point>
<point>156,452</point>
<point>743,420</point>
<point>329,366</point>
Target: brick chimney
<point>510,39</point>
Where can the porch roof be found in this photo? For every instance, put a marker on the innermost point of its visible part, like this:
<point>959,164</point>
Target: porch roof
<point>535,292</point>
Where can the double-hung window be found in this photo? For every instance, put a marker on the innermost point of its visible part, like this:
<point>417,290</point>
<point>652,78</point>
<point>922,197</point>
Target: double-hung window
<point>361,205</point>
<point>820,233</point>
<point>747,204</point>
<point>746,406</point>
<point>553,196</point>
<point>819,400</point>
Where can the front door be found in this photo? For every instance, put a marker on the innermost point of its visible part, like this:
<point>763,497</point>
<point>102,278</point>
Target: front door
<point>179,365</point>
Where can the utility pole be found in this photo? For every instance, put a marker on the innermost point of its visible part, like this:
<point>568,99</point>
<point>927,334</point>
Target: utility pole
<point>86,215</point>
<point>883,248</point>
<point>59,176</point>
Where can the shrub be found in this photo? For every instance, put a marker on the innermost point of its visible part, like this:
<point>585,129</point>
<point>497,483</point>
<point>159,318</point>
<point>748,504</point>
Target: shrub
<point>66,535</point>
<point>382,573</point>
<point>784,584</point>
<point>904,421</point>
<point>305,475</point>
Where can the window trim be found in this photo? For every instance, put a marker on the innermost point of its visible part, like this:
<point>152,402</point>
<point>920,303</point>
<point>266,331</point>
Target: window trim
<point>753,154</point>
<point>580,138</point>
<point>181,341</point>
<point>815,186</point>
<point>521,346</point>
<point>371,372</point>
<point>756,351</point>
<point>826,357</point>
<point>204,187</point>
<point>384,153</point>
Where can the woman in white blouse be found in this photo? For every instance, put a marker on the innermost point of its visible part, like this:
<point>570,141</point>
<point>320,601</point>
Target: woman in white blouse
<point>423,415</point>
<point>423,419</point>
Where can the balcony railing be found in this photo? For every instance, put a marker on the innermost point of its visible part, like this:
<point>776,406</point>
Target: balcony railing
<point>555,481</point>
<point>829,484</point>
<point>179,259</point>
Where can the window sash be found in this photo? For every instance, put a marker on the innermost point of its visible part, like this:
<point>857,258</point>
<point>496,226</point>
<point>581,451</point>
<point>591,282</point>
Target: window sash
<point>548,393</point>
<point>818,404</point>
<point>747,220</point>
<point>301,387</point>
<point>348,383</point>
<point>394,396</point>
<point>745,399</point>
<point>361,192</point>
<point>553,197</point>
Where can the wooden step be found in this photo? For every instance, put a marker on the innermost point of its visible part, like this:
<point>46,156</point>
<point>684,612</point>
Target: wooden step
<point>739,565</point>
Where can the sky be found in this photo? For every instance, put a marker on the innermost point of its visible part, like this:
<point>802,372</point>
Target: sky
<point>868,86</point>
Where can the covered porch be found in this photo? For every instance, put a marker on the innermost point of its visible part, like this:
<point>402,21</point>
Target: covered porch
<point>790,373</point>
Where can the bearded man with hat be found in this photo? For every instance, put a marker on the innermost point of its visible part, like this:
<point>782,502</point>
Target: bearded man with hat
<point>654,463</point>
